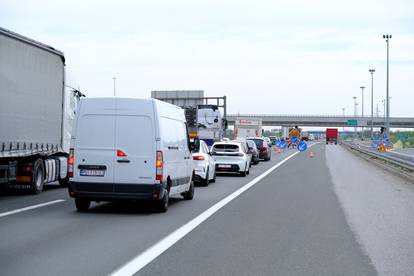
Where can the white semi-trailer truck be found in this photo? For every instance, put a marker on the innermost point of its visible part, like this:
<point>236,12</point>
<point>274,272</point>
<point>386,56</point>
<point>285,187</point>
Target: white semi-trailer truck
<point>36,111</point>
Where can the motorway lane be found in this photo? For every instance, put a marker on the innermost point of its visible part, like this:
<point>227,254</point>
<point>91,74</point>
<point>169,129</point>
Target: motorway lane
<point>291,223</point>
<point>57,240</point>
<point>15,199</point>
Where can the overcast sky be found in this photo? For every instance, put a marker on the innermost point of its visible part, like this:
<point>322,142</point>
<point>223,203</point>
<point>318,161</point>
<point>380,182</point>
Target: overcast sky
<point>284,57</point>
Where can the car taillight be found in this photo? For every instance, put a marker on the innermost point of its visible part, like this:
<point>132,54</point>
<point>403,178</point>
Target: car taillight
<point>159,166</point>
<point>120,153</point>
<point>198,157</point>
<point>71,162</point>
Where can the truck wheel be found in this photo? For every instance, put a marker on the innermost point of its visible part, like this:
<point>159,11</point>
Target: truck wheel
<point>38,178</point>
<point>64,182</point>
<point>82,204</point>
<point>189,195</point>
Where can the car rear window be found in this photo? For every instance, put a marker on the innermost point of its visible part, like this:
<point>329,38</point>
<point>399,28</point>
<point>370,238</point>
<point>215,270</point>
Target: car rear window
<point>258,142</point>
<point>226,148</point>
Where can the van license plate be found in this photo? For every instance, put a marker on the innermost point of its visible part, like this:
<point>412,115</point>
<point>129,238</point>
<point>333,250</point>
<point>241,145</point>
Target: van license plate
<point>224,166</point>
<point>84,172</point>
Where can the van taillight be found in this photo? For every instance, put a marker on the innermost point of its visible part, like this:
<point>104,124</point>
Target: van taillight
<point>159,166</point>
<point>71,162</point>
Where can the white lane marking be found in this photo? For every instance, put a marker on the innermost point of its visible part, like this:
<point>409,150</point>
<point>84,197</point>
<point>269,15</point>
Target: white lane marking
<point>157,249</point>
<point>30,207</point>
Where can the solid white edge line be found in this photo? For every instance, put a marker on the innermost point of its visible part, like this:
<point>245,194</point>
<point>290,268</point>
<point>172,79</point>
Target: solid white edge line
<point>141,260</point>
<point>30,207</point>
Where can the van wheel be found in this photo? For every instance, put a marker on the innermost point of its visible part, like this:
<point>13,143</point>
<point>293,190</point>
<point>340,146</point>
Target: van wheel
<point>82,204</point>
<point>189,195</point>
<point>162,204</point>
<point>206,181</point>
<point>38,178</point>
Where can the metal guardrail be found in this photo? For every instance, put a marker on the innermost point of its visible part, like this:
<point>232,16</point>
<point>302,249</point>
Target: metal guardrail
<point>316,116</point>
<point>403,160</point>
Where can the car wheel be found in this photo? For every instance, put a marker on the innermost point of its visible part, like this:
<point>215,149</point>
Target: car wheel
<point>82,204</point>
<point>214,178</point>
<point>243,173</point>
<point>162,204</point>
<point>205,182</point>
<point>189,195</point>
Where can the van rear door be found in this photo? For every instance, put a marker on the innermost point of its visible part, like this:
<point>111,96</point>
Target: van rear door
<point>135,151</point>
<point>94,151</point>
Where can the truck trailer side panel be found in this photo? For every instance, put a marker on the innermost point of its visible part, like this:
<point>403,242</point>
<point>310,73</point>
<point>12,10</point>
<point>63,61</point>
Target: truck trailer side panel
<point>31,98</point>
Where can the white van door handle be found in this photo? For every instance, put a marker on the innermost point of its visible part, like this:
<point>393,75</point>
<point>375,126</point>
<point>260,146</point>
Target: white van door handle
<point>123,161</point>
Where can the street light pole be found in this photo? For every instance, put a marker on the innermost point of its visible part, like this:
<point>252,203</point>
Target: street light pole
<point>355,114</point>
<point>372,102</point>
<point>114,85</point>
<point>362,128</point>
<point>343,114</point>
<point>387,38</point>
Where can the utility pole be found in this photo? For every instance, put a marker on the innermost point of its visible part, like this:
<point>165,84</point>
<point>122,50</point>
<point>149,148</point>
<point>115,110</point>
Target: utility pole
<point>362,128</point>
<point>387,38</point>
<point>377,111</point>
<point>372,102</point>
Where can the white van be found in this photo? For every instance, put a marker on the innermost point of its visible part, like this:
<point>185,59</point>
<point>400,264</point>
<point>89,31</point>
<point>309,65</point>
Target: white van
<point>129,149</point>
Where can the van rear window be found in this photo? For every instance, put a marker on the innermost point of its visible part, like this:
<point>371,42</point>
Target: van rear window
<point>226,148</point>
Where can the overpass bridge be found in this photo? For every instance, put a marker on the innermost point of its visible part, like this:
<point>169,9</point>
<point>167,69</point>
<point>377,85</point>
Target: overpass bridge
<point>322,120</point>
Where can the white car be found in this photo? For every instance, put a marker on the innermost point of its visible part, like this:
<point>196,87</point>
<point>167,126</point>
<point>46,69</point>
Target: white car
<point>231,157</point>
<point>129,149</point>
<point>204,166</point>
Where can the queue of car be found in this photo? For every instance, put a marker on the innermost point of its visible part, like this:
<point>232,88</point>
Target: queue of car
<point>139,149</point>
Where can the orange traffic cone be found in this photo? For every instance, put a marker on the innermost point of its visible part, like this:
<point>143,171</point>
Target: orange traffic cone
<point>311,154</point>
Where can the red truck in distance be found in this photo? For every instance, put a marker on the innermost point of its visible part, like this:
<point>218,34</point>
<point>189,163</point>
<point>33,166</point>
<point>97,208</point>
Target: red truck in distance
<point>332,135</point>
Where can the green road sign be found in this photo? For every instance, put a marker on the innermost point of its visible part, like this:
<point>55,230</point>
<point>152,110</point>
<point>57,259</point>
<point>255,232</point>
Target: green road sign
<point>352,123</point>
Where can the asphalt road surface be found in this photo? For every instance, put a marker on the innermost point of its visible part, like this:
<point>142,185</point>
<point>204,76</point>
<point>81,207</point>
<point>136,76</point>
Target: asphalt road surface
<point>293,221</point>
